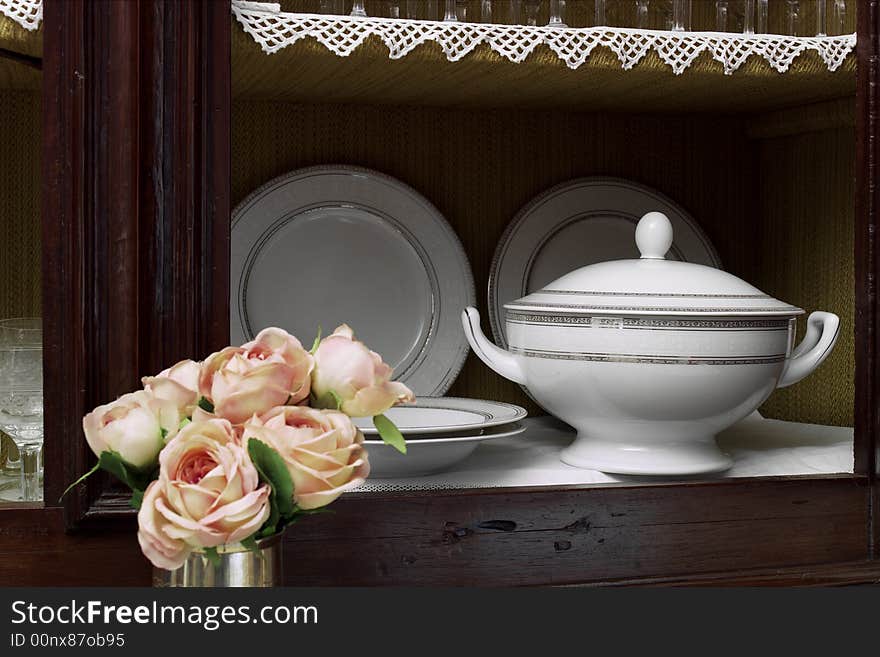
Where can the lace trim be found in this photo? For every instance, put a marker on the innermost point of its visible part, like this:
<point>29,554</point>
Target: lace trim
<point>27,13</point>
<point>274,30</point>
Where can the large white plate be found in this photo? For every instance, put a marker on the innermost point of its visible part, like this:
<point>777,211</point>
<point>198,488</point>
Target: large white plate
<point>330,245</point>
<point>579,223</point>
<point>444,415</point>
<point>433,454</point>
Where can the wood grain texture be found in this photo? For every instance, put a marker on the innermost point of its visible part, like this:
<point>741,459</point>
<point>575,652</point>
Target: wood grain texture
<point>136,210</point>
<point>867,258</point>
<point>545,536</point>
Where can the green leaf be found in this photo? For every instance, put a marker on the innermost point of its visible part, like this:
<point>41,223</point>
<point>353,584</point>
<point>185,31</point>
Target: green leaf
<point>213,557</point>
<point>273,471</point>
<point>164,433</point>
<point>135,479</point>
<point>183,423</point>
<point>389,433</point>
<point>206,405</point>
<point>137,498</point>
<point>94,469</point>
<point>316,342</point>
<point>328,400</point>
<point>250,543</point>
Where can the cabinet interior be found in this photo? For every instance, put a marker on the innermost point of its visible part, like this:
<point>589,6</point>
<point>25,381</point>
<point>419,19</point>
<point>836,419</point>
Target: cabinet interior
<point>769,177</point>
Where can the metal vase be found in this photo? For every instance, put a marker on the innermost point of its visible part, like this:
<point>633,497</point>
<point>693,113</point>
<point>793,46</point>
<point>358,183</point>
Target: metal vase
<point>238,566</point>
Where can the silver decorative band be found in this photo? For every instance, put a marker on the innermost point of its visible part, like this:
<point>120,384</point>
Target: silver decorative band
<point>646,359</point>
<point>672,295</point>
<point>587,321</point>
<point>668,309</point>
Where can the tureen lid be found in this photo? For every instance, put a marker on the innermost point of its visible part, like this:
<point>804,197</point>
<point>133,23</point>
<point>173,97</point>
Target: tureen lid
<point>652,285</point>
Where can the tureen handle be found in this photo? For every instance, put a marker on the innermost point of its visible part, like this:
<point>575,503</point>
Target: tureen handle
<point>503,362</point>
<point>822,331</point>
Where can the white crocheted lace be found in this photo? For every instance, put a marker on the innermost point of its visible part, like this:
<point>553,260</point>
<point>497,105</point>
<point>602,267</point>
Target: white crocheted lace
<point>27,13</point>
<point>275,30</point>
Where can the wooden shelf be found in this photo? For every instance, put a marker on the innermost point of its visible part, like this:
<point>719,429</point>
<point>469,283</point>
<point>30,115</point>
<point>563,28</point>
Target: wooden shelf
<point>307,72</point>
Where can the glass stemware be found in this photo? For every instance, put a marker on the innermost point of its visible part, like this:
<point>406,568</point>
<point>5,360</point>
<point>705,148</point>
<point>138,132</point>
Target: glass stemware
<point>599,16</point>
<point>357,9</point>
<point>532,7</point>
<point>450,14</point>
<point>821,11</point>
<point>748,16</point>
<point>761,17</point>
<point>681,10</point>
<point>21,397</point>
<point>838,16</point>
<point>642,14</point>
<point>722,15</point>
<point>793,18</point>
<point>421,9</point>
<point>485,11</point>
<point>334,7</point>
<point>557,13</point>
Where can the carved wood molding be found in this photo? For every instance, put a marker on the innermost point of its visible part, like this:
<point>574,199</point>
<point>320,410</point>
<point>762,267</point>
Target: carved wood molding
<point>135,210</point>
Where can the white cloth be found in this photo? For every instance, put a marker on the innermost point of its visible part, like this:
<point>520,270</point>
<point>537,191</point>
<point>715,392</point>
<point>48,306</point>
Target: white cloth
<point>27,13</point>
<point>759,447</point>
<point>275,30</point>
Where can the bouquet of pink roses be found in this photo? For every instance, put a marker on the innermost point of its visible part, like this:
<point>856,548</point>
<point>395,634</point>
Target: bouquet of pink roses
<point>237,447</point>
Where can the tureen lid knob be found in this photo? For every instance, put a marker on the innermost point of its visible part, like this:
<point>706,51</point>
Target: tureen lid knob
<point>654,235</point>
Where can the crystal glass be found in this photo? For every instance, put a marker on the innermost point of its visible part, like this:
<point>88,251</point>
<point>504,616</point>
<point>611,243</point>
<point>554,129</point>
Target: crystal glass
<point>681,10</point>
<point>642,19</point>
<point>335,7</point>
<point>748,16</point>
<point>838,17</point>
<point>600,18</point>
<point>761,17</point>
<point>449,13</point>
<point>821,13</point>
<point>357,8</point>
<point>461,9</point>
<point>557,13</point>
<point>392,9</point>
<point>532,7</point>
<point>485,11</point>
<point>425,10</point>
<point>21,397</point>
<point>514,12</point>
<point>793,18</point>
<point>722,15</point>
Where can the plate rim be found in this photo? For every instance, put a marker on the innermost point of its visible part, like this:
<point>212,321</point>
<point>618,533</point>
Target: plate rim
<point>520,414</point>
<point>495,322</point>
<point>459,349</point>
<point>518,427</point>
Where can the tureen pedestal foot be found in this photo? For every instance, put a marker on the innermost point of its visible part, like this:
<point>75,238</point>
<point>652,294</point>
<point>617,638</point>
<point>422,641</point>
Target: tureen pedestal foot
<point>686,456</point>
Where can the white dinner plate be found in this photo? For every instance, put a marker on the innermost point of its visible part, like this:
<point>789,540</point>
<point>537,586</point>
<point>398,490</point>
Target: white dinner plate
<point>426,455</point>
<point>324,246</point>
<point>580,223</point>
<point>444,415</point>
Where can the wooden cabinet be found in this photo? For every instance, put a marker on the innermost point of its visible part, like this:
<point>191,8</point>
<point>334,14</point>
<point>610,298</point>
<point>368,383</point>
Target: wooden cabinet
<point>154,125</point>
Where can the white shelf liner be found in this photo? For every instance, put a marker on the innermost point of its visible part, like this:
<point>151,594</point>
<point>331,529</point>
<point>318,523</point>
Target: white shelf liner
<point>759,446</point>
<point>274,30</point>
<point>27,13</point>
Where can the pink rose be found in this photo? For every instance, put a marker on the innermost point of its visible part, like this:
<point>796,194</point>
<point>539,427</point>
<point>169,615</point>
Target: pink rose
<point>208,493</point>
<point>357,377</point>
<point>269,371</point>
<point>135,426</point>
<point>179,383</point>
<point>323,451</point>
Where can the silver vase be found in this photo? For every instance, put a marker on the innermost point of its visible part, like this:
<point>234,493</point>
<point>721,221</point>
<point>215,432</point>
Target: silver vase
<point>238,566</point>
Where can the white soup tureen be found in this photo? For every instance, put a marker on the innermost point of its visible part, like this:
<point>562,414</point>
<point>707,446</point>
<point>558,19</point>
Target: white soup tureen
<point>648,359</point>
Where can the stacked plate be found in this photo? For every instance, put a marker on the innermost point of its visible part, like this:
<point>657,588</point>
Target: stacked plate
<point>439,432</point>
<point>373,253</point>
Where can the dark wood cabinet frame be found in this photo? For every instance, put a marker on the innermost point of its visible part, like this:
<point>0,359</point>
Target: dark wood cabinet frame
<point>136,172</point>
